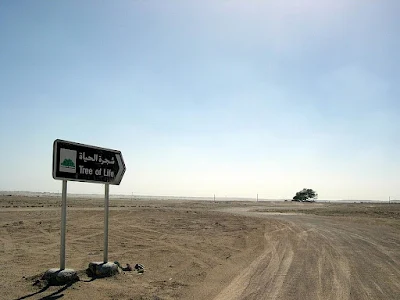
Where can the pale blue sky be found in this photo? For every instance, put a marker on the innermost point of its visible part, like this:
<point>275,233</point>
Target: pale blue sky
<point>227,97</point>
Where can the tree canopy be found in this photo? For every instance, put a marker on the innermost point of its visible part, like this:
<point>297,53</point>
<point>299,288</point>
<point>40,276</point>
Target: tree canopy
<point>305,195</point>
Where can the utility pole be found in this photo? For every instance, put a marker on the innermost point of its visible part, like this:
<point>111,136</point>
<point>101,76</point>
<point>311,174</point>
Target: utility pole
<point>257,197</point>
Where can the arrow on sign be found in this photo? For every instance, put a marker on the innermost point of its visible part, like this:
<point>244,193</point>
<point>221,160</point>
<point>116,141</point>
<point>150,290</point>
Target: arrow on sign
<point>121,169</point>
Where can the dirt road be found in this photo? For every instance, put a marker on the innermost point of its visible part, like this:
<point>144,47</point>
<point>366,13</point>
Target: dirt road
<point>311,257</point>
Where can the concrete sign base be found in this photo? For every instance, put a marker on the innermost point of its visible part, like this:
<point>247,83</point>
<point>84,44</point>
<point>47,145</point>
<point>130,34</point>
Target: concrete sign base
<point>101,269</point>
<point>60,277</point>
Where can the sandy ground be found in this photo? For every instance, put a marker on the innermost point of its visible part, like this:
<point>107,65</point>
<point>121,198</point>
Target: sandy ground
<point>204,250</point>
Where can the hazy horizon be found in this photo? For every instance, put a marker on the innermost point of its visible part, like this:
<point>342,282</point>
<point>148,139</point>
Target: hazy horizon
<point>231,98</point>
<point>182,197</point>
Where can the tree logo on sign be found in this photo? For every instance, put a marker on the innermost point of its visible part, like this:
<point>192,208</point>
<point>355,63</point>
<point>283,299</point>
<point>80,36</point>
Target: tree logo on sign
<point>67,160</point>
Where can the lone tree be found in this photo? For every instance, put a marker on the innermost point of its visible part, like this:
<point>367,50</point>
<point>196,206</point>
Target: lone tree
<point>305,195</point>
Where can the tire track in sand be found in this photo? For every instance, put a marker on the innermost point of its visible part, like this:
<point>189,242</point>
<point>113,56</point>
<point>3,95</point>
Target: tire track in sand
<point>299,262</point>
<point>266,274</point>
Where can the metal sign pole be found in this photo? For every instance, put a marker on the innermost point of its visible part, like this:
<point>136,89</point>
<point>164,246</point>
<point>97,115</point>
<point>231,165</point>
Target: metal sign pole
<point>63,223</point>
<point>106,204</point>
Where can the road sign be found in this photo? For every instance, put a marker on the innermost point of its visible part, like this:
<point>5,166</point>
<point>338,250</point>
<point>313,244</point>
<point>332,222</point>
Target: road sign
<point>79,162</point>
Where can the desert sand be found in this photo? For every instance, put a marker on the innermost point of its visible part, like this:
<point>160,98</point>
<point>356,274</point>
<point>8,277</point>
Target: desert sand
<point>203,249</point>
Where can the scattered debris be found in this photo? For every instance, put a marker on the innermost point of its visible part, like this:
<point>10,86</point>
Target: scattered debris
<point>139,268</point>
<point>127,268</point>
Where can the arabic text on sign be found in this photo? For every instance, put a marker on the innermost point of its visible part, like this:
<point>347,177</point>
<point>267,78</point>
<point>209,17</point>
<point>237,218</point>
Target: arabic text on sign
<point>96,158</point>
